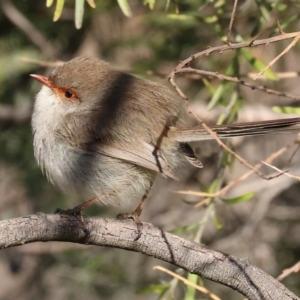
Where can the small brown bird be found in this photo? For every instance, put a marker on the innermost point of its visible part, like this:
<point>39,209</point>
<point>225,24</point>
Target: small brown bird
<point>105,134</point>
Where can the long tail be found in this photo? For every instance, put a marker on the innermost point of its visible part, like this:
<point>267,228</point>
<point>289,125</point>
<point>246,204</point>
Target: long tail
<point>240,129</point>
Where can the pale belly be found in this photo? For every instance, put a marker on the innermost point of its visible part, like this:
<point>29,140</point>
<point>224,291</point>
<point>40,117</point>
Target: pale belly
<point>112,181</point>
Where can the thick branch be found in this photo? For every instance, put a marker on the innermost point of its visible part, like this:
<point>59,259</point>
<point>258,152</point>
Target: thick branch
<point>195,258</point>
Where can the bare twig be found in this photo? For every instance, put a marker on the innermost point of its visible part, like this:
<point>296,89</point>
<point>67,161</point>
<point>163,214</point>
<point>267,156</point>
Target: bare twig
<point>279,26</point>
<point>294,269</point>
<point>231,22</point>
<point>220,49</point>
<point>232,79</point>
<point>239,158</point>
<point>233,183</point>
<point>286,50</point>
<point>280,75</point>
<point>183,66</point>
<point>281,172</point>
<point>187,282</point>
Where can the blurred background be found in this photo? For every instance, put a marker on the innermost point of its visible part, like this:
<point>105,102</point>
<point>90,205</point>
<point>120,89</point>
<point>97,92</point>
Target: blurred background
<point>257,219</point>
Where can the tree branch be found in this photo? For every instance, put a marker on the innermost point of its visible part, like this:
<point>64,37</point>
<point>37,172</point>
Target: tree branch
<point>228,270</point>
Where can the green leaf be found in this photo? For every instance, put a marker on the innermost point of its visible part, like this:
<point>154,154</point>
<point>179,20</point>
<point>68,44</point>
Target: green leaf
<point>214,186</point>
<point>203,187</point>
<point>184,229</point>
<point>49,3</point>
<point>151,3</point>
<point>258,65</point>
<point>221,89</point>
<point>79,10</point>
<point>287,109</point>
<point>265,12</point>
<point>209,86</point>
<point>58,9</point>
<point>125,8</point>
<point>239,199</point>
<point>154,288</point>
<point>289,21</point>
<point>180,17</point>
<point>191,291</point>
<point>226,159</point>
<point>219,3</point>
<point>216,221</point>
<point>91,3</point>
<point>217,95</point>
<point>279,6</point>
<point>212,19</point>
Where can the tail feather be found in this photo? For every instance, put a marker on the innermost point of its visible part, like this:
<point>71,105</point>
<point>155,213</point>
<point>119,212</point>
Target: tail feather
<point>190,156</point>
<point>240,129</point>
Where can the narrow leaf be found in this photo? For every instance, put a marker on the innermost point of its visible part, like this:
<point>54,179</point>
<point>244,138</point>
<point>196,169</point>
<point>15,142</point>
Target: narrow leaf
<point>258,65</point>
<point>209,20</point>
<point>180,17</point>
<point>217,95</point>
<point>125,8</point>
<point>79,10</point>
<point>287,109</point>
<point>58,9</point>
<point>151,3</point>
<point>240,199</point>
<point>91,3</point>
<point>49,3</point>
<point>208,85</point>
<point>191,291</point>
<point>214,186</point>
<point>217,223</point>
<point>184,229</point>
<point>279,6</point>
<point>154,288</point>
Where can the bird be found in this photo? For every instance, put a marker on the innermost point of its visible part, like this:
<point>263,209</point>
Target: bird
<point>105,134</point>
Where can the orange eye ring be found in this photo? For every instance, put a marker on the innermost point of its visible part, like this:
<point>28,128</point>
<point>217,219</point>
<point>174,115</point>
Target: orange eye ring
<point>66,94</point>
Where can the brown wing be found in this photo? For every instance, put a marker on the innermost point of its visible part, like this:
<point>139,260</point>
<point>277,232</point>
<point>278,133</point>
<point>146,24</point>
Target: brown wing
<point>146,156</point>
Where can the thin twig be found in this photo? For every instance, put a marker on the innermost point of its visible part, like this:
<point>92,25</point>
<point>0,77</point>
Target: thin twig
<point>279,75</point>
<point>183,66</point>
<point>282,172</point>
<point>222,48</point>
<point>187,282</point>
<point>279,27</point>
<point>294,269</point>
<point>286,50</point>
<point>239,158</point>
<point>231,79</point>
<point>231,22</point>
<point>233,183</point>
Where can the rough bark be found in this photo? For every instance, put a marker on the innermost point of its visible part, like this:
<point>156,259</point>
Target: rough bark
<point>223,268</point>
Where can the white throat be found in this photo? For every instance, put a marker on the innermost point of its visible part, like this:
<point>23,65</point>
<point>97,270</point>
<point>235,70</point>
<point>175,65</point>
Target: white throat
<point>45,121</point>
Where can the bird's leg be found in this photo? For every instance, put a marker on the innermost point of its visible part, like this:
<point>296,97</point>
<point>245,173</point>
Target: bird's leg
<point>135,215</point>
<point>76,211</point>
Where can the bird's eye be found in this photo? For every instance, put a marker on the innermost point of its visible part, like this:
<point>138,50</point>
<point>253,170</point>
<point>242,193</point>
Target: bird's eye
<point>68,94</point>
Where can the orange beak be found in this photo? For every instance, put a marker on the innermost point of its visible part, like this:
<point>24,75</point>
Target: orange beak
<point>42,79</point>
